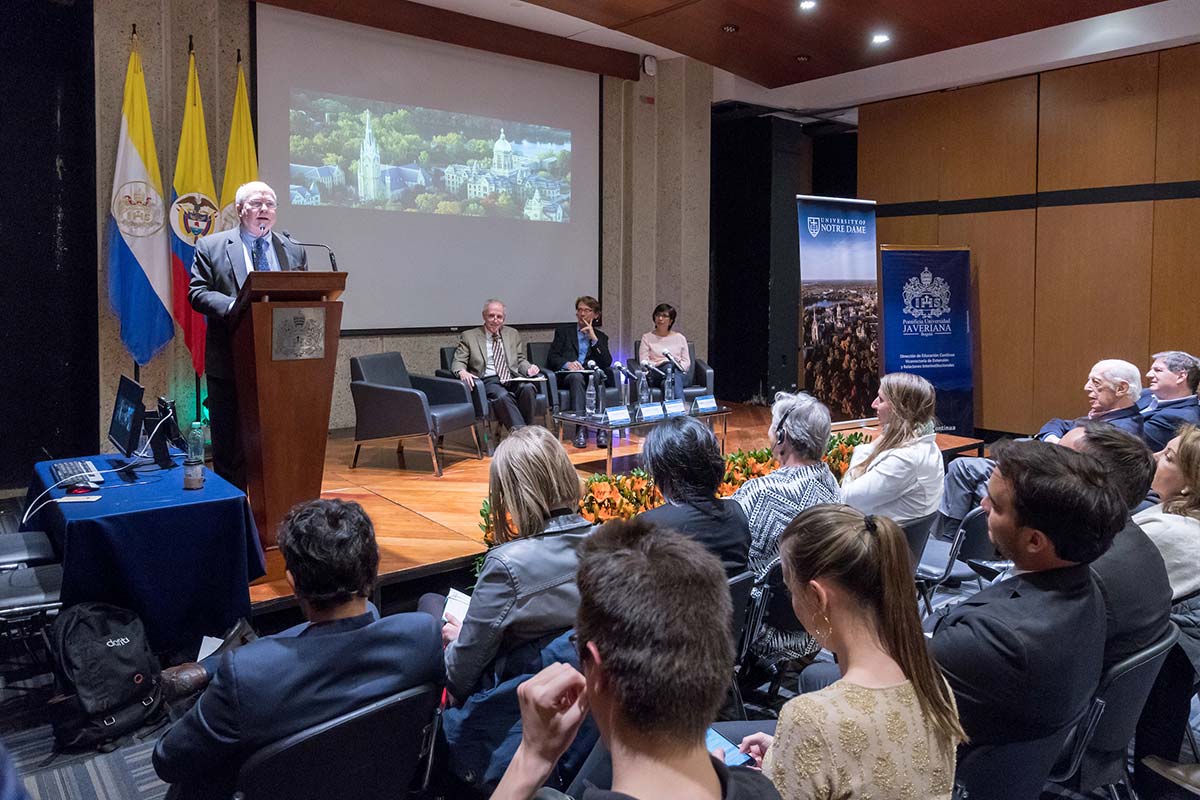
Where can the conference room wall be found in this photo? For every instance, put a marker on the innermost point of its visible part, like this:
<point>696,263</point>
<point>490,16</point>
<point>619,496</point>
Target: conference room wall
<point>1118,123</point>
<point>654,187</point>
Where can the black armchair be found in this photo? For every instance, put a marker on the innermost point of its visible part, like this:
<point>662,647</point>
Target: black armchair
<point>389,403</point>
<point>697,382</point>
<point>373,752</point>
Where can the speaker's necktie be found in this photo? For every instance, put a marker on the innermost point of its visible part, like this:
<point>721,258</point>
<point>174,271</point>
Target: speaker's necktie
<point>499,359</point>
<point>260,255</point>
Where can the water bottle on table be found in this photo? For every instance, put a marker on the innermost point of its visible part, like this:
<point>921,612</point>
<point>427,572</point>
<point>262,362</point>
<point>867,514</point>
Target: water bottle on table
<point>193,465</point>
<point>589,403</point>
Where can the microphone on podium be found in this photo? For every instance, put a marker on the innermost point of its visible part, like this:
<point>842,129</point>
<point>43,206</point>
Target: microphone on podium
<point>328,249</point>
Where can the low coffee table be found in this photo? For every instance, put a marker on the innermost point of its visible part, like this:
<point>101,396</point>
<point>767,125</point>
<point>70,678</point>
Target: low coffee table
<point>599,424</point>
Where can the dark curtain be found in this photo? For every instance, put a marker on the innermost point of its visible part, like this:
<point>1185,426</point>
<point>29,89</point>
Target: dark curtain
<point>49,363</point>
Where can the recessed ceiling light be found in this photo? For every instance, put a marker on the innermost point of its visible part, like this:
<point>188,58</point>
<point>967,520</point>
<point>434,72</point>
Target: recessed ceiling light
<point>803,58</point>
<point>729,27</point>
<point>880,38</point>
<point>808,5</point>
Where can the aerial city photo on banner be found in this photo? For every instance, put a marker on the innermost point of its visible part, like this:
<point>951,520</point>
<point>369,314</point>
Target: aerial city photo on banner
<point>356,153</point>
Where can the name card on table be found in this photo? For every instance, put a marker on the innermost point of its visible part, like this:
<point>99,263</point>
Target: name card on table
<point>705,403</point>
<point>617,416</point>
<point>675,408</point>
<point>650,411</point>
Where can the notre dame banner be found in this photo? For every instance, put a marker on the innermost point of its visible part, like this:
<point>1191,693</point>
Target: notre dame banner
<point>925,299</point>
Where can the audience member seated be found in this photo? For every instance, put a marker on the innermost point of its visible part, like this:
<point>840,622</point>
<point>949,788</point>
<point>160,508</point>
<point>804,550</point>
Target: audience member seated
<point>526,590</point>
<point>1111,392</point>
<point>1024,655</point>
<point>343,658</point>
<point>656,648</point>
<point>1174,524</point>
<point>575,345</point>
<point>1170,400</point>
<point>685,462</point>
<point>889,727</point>
<point>799,435</point>
<point>664,339</point>
<point>899,474</point>
<point>1131,574</point>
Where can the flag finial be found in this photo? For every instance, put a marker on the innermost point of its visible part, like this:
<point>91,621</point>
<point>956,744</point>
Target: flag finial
<point>189,43</point>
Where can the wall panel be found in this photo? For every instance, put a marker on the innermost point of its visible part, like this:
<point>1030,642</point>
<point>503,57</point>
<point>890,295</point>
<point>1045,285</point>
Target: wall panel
<point>1175,290</point>
<point>1096,124</point>
<point>989,143</point>
<point>907,230</point>
<point>1092,298</point>
<point>1002,266</point>
<point>899,149</point>
<point>1178,152</point>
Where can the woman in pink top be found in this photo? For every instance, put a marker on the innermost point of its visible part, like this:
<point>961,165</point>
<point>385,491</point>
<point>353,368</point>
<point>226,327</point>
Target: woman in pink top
<point>660,341</point>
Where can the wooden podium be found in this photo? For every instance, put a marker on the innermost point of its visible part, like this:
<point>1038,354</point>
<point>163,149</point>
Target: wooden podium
<point>285,341</point>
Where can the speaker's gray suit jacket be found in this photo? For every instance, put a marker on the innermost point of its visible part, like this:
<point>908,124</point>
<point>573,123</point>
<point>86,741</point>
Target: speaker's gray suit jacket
<point>218,272</point>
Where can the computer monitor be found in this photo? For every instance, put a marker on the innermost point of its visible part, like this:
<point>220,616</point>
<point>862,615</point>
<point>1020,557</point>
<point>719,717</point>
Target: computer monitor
<point>125,429</point>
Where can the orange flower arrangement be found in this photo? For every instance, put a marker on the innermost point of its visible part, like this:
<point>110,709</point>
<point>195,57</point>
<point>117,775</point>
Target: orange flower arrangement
<point>608,497</point>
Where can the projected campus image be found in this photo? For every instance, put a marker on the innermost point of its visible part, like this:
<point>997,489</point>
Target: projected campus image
<point>356,153</point>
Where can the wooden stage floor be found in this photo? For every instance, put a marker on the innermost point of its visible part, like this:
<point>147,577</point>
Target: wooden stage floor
<point>427,525</point>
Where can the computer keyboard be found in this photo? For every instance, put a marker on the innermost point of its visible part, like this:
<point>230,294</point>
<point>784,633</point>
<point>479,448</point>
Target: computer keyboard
<point>80,470</point>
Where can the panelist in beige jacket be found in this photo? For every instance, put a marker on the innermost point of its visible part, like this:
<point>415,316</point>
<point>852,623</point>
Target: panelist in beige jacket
<point>496,355</point>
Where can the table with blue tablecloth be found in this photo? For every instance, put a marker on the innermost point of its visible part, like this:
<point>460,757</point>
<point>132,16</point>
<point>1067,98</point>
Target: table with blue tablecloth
<point>182,559</point>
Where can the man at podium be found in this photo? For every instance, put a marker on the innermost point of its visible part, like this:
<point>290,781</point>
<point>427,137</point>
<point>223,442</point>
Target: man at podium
<point>219,269</point>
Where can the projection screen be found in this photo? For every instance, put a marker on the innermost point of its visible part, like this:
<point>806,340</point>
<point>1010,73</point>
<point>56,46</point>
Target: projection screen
<point>440,175</point>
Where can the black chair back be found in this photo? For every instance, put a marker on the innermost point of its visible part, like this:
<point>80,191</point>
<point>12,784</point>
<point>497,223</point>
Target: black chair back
<point>740,586</point>
<point>778,609</point>
<point>1012,771</point>
<point>386,369</point>
<point>917,533</point>
<point>372,752</point>
<point>1097,748</point>
<point>976,545</point>
<point>447,356</point>
<point>539,353</point>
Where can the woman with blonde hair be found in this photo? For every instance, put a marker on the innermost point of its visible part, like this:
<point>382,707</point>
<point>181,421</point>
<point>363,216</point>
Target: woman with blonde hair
<point>526,588</point>
<point>889,727</point>
<point>899,474</point>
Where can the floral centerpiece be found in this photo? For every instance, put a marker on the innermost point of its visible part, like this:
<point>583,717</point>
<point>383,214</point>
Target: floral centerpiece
<point>608,497</point>
<point>841,447</point>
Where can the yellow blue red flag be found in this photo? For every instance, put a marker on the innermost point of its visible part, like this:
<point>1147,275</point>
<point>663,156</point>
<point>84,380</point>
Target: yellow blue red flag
<point>139,270</point>
<point>241,159</point>
<point>193,213</point>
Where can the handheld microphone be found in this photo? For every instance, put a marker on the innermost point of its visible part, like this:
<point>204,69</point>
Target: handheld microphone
<point>328,249</point>
<point>651,367</point>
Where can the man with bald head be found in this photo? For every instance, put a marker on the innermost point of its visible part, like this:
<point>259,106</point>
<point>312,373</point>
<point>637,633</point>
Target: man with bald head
<point>219,268</point>
<point>1112,388</point>
<point>494,354</point>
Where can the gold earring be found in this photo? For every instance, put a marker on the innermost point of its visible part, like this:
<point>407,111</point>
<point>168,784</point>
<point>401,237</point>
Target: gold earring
<point>829,624</point>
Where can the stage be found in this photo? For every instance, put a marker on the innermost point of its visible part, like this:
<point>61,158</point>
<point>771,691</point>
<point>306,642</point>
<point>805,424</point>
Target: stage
<point>428,527</point>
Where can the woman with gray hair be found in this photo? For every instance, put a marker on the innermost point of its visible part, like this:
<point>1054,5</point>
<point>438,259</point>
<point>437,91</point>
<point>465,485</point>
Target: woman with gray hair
<point>799,434</point>
<point>684,460</point>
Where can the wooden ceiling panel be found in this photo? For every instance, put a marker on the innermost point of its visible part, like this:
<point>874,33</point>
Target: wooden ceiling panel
<point>836,35</point>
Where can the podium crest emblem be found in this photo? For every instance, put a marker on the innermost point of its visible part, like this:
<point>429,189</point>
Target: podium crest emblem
<point>814,226</point>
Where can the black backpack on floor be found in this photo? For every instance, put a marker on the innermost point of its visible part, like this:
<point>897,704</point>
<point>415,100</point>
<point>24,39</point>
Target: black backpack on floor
<point>109,677</point>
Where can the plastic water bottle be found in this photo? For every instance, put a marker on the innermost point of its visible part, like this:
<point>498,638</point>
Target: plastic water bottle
<point>590,397</point>
<point>643,388</point>
<point>669,384</point>
<point>193,465</point>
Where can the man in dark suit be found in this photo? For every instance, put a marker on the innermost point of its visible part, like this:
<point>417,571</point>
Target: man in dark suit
<point>1170,400</point>
<point>574,346</point>
<point>683,457</point>
<point>495,355</point>
<point>1024,655</point>
<point>1131,574</point>
<point>344,658</point>
<point>219,269</point>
